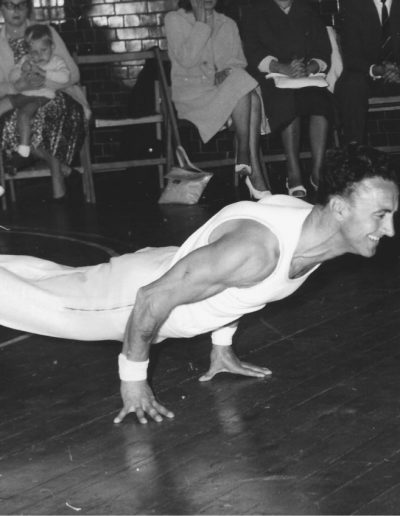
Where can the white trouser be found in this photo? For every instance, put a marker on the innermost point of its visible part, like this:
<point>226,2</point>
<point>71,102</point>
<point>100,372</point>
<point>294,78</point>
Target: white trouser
<point>83,303</point>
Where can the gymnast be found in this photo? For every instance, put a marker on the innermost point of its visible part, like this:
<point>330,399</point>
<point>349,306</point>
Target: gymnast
<point>245,256</point>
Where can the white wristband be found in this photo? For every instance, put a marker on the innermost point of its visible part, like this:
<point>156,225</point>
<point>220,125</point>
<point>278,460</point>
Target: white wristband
<point>223,336</point>
<point>130,371</point>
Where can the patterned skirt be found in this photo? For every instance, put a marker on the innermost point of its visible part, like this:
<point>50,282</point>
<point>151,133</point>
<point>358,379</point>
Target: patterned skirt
<point>58,127</point>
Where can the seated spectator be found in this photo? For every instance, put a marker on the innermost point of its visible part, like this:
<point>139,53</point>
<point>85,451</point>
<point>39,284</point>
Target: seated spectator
<point>58,125</point>
<point>287,37</point>
<point>210,85</point>
<point>40,60</point>
<point>370,41</point>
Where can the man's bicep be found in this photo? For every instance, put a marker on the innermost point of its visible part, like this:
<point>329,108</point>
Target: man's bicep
<point>200,274</point>
<point>230,261</point>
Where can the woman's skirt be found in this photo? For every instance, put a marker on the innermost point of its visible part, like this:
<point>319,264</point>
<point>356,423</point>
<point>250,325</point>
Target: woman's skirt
<point>58,127</point>
<point>282,106</point>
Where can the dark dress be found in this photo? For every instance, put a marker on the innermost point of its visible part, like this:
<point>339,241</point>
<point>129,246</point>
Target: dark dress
<point>58,127</point>
<point>268,31</point>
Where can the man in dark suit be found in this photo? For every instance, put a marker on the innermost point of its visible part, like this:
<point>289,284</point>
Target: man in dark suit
<point>370,41</point>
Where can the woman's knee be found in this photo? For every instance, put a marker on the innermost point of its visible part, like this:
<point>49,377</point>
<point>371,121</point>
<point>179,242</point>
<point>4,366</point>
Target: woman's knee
<point>255,100</point>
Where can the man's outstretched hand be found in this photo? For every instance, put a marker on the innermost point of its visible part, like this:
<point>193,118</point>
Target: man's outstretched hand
<point>224,360</point>
<point>138,397</point>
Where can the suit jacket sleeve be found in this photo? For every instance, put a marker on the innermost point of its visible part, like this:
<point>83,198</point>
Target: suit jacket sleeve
<point>320,45</point>
<point>353,34</point>
<point>254,49</point>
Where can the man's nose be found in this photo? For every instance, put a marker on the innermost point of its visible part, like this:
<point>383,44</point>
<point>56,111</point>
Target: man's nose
<point>389,227</point>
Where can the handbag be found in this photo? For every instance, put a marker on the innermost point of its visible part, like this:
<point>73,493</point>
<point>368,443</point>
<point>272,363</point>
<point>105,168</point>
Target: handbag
<point>186,182</point>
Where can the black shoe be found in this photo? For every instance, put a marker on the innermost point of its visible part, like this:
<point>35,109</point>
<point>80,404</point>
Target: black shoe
<point>58,201</point>
<point>74,185</point>
<point>19,162</point>
<point>74,180</point>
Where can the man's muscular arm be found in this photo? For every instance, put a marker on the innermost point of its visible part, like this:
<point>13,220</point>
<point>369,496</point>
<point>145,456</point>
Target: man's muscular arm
<point>241,254</point>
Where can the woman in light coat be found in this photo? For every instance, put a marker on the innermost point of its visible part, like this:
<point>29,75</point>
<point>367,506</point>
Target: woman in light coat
<point>210,86</point>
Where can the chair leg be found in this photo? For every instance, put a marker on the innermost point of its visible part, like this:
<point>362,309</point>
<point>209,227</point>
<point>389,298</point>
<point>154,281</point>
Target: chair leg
<point>87,178</point>
<point>264,170</point>
<point>3,182</point>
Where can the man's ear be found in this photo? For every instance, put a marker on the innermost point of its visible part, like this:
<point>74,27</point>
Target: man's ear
<point>339,207</point>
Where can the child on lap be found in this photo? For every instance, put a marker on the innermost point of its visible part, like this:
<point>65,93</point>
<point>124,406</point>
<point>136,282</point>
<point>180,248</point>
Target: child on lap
<point>42,63</point>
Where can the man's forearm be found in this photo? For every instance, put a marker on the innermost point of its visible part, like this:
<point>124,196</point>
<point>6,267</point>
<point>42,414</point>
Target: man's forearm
<point>143,324</point>
<point>134,358</point>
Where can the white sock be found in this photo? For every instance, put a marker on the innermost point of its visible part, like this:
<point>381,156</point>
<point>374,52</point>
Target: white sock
<point>24,150</point>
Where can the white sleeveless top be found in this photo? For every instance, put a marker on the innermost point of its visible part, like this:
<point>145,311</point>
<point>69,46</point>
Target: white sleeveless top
<point>94,303</point>
<point>284,216</point>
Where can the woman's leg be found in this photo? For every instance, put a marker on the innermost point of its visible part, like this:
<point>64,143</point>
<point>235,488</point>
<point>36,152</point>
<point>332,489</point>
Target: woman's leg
<point>241,123</point>
<point>57,176</point>
<point>257,177</point>
<point>291,145</point>
<point>24,120</point>
<point>245,120</point>
<point>318,136</point>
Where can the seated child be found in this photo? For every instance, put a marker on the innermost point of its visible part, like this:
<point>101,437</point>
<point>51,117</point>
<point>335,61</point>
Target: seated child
<point>42,63</point>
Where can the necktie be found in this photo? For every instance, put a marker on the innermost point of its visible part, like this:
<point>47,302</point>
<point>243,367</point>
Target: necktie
<point>386,52</point>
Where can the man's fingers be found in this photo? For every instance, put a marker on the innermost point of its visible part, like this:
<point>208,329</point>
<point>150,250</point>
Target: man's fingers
<point>155,412</point>
<point>262,370</point>
<point>209,375</point>
<point>141,417</point>
<point>249,372</point>
<point>121,416</point>
<point>164,411</point>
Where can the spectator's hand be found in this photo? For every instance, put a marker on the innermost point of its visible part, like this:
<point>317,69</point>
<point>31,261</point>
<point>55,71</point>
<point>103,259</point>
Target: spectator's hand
<point>138,397</point>
<point>35,69</point>
<point>221,75</point>
<point>199,10</point>
<point>29,81</point>
<point>26,67</point>
<point>294,69</point>
<point>391,73</point>
<point>312,67</point>
<point>297,68</point>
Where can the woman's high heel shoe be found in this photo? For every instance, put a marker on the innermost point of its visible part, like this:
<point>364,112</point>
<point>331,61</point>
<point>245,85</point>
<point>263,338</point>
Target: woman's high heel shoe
<point>254,193</point>
<point>296,191</point>
<point>314,185</point>
<point>242,169</point>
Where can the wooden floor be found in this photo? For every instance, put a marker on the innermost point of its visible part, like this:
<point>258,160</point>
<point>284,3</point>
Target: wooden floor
<point>321,436</point>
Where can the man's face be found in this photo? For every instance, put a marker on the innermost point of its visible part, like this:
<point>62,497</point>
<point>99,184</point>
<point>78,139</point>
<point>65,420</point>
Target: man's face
<point>368,215</point>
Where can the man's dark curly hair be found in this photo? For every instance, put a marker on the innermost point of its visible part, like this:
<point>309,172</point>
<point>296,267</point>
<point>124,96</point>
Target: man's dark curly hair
<point>344,168</point>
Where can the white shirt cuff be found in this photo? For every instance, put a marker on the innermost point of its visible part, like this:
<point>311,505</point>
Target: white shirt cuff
<point>374,77</point>
<point>223,336</point>
<point>264,65</point>
<point>322,65</point>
